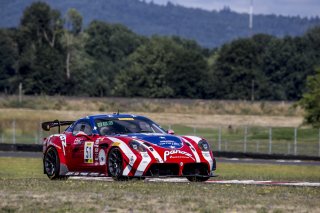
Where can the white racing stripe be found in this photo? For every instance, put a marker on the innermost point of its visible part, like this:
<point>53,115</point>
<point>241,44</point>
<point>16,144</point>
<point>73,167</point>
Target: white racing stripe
<point>127,151</point>
<point>143,164</point>
<point>206,155</point>
<point>195,153</point>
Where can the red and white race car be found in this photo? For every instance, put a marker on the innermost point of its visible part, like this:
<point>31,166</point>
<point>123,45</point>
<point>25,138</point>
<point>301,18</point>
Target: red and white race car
<point>124,146</point>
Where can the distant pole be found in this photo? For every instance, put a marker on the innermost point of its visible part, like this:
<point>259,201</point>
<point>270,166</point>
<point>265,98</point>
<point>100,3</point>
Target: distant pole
<point>20,93</point>
<point>245,139</point>
<point>251,18</point>
<point>270,140</point>
<point>40,134</point>
<point>219,138</point>
<point>14,131</point>
<point>295,141</point>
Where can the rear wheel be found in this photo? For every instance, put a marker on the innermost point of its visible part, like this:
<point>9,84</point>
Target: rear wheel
<point>115,164</point>
<point>197,178</point>
<point>51,163</point>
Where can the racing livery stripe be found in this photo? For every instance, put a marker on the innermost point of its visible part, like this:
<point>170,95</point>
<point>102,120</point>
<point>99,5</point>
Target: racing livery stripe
<point>206,155</point>
<point>208,158</point>
<point>153,151</point>
<point>127,151</point>
<point>146,159</point>
<point>194,138</point>
<point>195,153</point>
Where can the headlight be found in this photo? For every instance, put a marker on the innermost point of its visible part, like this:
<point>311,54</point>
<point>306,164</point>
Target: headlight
<point>203,145</point>
<point>137,146</point>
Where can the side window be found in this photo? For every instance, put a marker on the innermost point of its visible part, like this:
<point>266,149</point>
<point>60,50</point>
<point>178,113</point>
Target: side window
<point>82,127</point>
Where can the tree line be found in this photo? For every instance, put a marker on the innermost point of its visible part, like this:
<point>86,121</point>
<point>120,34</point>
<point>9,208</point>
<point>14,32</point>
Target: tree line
<point>209,28</point>
<point>53,54</point>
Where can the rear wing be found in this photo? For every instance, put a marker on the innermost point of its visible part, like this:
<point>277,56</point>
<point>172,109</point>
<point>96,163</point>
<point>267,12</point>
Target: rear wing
<point>46,126</point>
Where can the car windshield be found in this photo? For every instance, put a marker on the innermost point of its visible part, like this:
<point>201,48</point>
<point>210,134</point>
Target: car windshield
<point>111,126</point>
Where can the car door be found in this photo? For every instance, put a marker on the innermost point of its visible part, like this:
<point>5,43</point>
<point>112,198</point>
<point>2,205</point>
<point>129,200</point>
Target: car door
<point>81,142</point>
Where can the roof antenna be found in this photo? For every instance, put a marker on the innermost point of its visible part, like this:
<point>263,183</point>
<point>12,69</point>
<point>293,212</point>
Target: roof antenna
<point>118,112</point>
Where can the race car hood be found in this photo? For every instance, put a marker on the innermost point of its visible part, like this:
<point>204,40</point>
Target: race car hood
<point>163,140</point>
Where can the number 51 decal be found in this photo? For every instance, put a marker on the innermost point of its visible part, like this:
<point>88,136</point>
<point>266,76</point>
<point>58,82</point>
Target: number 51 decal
<point>88,152</point>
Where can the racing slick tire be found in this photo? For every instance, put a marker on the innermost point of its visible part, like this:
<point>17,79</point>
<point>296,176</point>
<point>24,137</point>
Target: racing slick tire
<point>197,179</point>
<point>115,165</point>
<point>51,164</point>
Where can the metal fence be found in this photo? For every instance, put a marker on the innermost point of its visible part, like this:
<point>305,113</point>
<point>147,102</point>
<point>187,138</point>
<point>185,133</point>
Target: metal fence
<point>276,140</point>
<point>267,140</point>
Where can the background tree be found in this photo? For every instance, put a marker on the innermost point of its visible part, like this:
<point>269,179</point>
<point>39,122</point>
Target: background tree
<point>109,46</point>
<point>311,100</point>
<point>237,69</point>
<point>8,58</point>
<point>41,56</point>
<point>162,68</point>
<point>74,27</point>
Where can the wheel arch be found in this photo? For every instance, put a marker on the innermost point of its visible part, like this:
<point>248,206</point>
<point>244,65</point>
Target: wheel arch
<point>62,159</point>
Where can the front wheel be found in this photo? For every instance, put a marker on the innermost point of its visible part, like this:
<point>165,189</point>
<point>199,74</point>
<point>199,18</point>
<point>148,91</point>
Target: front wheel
<point>115,164</point>
<point>197,179</point>
<point>51,163</point>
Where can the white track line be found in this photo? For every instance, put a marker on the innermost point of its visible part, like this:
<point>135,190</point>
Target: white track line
<point>184,180</point>
<point>268,182</point>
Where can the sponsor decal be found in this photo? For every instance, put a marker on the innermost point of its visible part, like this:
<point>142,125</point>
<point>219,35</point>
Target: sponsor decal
<point>97,141</point>
<point>206,154</point>
<point>125,119</point>
<point>88,152</point>
<point>102,157</point>
<point>105,123</point>
<point>77,141</point>
<point>170,154</point>
<point>116,144</point>
<point>131,161</point>
<point>169,142</point>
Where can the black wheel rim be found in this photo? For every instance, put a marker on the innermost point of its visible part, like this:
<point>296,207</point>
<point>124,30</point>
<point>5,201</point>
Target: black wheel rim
<point>50,162</point>
<point>115,163</point>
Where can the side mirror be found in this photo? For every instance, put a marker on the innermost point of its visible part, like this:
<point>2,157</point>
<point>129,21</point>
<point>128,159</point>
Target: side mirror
<point>170,131</point>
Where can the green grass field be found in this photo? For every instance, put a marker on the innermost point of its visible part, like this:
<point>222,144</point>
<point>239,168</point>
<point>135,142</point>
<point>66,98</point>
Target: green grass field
<point>23,188</point>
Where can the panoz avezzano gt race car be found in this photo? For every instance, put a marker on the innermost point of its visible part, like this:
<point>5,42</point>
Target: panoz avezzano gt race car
<point>124,146</point>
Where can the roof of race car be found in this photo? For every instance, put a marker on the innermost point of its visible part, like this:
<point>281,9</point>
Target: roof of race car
<point>114,115</point>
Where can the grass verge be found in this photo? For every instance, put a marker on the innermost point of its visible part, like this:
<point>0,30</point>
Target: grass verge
<point>23,188</point>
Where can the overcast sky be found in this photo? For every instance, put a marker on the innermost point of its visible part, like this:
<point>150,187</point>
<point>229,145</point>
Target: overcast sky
<point>303,8</point>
